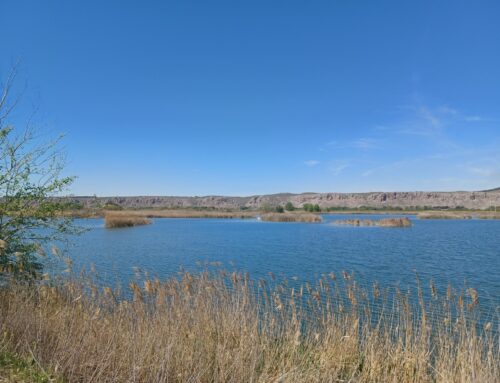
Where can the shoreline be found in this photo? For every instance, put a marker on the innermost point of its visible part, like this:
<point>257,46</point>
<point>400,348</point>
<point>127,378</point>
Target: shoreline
<point>250,214</point>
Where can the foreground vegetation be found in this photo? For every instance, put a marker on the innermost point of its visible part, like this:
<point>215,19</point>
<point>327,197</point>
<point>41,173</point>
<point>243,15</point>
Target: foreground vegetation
<point>24,369</point>
<point>220,327</point>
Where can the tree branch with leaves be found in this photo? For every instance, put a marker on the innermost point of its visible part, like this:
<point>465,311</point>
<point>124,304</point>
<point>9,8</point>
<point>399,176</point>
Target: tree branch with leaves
<point>31,181</point>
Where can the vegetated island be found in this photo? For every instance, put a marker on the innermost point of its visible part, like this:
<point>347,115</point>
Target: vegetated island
<point>388,222</point>
<point>291,217</point>
<point>116,220</point>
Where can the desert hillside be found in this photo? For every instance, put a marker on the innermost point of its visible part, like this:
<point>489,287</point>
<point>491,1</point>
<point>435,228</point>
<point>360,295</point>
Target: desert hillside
<point>469,200</point>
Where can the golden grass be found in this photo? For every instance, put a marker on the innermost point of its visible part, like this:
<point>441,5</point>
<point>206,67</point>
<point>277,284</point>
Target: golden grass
<point>458,215</point>
<point>228,328</point>
<point>387,222</point>
<point>114,220</point>
<point>444,215</point>
<point>291,217</point>
<point>395,222</point>
<point>185,213</point>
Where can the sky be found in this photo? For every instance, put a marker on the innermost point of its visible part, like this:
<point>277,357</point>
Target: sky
<point>256,97</point>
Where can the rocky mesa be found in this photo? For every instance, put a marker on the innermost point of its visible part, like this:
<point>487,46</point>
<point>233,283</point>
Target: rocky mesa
<point>408,200</point>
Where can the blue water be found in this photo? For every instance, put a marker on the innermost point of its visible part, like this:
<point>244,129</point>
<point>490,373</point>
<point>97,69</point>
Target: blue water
<point>460,252</point>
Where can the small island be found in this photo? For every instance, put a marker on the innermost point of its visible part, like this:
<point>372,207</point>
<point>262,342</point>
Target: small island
<point>116,220</point>
<point>291,217</point>
<point>387,222</point>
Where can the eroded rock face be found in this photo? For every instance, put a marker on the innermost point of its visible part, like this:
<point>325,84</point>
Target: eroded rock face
<point>469,200</point>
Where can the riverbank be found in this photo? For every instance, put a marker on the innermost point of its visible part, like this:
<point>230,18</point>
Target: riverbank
<point>242,214</point>
<point>213,328</point>
<point>458,215</point>
<point>162,213</point>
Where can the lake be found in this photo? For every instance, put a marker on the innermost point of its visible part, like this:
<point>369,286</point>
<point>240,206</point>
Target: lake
<point>460,252</point>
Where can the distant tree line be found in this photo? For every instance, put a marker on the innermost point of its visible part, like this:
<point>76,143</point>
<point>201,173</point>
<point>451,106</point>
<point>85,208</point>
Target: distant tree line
<point>312,208</point>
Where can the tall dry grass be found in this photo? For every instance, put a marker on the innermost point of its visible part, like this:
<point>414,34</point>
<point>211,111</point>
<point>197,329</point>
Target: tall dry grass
<point>228,328</point>
<point>291,217</point>
<point>395,222</point>
<point>458,215</point>
<point>184,213</point>
<point>114,220</point>
<point>387,222</point>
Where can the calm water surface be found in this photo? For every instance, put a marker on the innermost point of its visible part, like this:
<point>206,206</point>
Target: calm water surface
<point>449,251</point>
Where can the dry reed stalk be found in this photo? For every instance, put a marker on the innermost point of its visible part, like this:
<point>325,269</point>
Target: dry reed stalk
<point>226,327</point>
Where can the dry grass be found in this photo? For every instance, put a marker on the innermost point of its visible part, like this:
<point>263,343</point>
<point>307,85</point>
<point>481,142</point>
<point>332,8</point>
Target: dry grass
<point>151,213</point>
<point>395,222</point>
<point>114,220</point>
<point>444,215</point>
<point>82,213</point>
<point>458,215</point>
<point>387,222</point>
<point>291,217</point>
<point>228,328</point>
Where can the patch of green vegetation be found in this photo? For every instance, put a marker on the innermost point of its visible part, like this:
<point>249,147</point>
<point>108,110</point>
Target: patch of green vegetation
<point>112,206</point>
<point>73,205</point>
<point>289,206</point>
<point>280,209</point>
<point>266,207</point>
<point>14,368</point>
<point>312,208</point>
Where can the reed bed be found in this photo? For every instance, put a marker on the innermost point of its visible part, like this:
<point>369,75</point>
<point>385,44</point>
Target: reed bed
<point>458,215</point>
<point>444,215</point>
<point>291,217</point>
<point>387,222</point>
<point>113,220</point>
<point>395,222</point>
<point>225,327</point>
<point>185,213</point>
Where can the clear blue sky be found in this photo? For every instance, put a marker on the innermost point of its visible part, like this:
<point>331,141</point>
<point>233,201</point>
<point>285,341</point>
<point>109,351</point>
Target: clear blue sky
<point>240,98</point>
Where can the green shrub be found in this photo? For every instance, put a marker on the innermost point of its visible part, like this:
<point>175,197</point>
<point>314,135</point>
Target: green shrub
<point>289,206</point>
<point>112,206</point>
<point>266,207</point>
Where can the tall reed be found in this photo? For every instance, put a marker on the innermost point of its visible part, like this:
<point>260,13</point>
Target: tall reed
<point>115,220</point>
<point>386,222</point>
<point>226,327</point>
<point>291,217</point>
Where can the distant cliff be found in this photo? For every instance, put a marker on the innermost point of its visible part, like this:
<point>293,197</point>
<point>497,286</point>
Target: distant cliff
<point>469,200</point>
